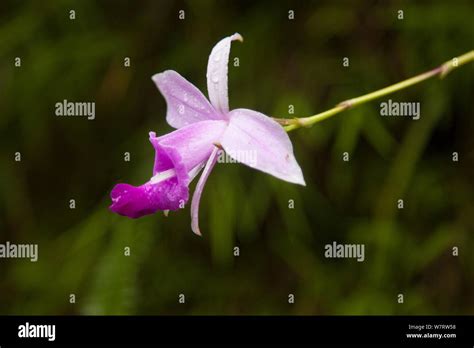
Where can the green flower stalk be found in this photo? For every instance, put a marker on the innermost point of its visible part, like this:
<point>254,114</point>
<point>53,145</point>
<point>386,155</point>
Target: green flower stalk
<point>441,71</point>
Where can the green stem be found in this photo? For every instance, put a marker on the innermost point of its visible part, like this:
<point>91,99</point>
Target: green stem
<point>442,71</point>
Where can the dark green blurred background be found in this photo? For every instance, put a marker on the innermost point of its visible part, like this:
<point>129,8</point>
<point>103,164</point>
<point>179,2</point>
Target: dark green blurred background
<point>282,62</point>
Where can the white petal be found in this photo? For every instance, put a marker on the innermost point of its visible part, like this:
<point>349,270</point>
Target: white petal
<point>217,67</point>
<point>199,188</point>
<point>261,143</point>
<point>185,103</point>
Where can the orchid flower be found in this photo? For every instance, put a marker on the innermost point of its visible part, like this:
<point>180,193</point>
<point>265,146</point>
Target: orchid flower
<point>204,129</point>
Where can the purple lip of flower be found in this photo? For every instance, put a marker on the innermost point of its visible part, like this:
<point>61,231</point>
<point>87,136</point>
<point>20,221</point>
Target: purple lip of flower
<point>203,130</point>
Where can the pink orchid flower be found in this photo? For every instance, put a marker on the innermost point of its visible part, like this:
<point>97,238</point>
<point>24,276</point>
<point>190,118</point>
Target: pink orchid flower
<point>204,129</point>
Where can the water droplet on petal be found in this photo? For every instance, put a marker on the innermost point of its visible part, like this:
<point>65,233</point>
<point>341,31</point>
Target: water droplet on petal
<point>215,78</point>
<point>217,57</point>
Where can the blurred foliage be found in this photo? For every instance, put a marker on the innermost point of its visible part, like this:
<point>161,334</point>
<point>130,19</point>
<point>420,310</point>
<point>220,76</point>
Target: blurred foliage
<point>282,62</point>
